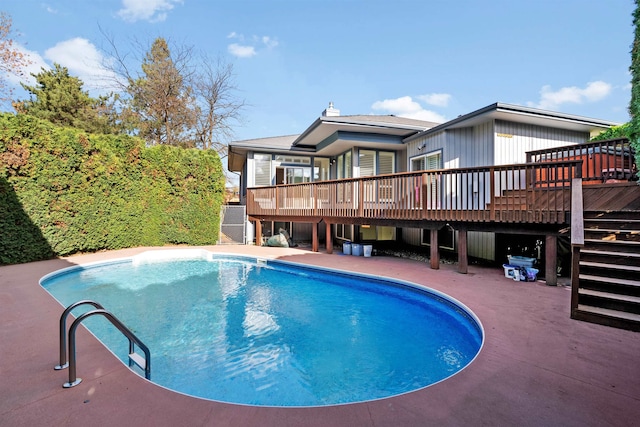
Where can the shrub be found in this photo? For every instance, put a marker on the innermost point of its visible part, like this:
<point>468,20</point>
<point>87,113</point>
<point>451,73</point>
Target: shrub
<point>64,191</point>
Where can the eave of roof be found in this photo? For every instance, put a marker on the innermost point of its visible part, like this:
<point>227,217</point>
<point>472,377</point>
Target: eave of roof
<point>524,114</point>
<point>371,123</point>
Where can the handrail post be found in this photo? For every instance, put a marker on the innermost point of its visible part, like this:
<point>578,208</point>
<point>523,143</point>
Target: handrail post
<point>64,363</point>
<point>492,195</point>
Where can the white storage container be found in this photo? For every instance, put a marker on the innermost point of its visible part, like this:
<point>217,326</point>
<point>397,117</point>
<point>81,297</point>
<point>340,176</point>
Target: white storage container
<point>508,270</point>
<point>346,248</point>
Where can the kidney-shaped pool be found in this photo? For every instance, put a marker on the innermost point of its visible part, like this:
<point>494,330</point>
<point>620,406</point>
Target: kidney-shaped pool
<point>272,333</point>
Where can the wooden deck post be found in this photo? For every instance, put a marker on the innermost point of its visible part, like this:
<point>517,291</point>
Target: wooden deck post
<point>258,233</point>
<point>329,238</point>
<point>551,260</point>
<point>435,253</point>
<point>463,257</point>
<point>575,277</point>
<point>314,237</point>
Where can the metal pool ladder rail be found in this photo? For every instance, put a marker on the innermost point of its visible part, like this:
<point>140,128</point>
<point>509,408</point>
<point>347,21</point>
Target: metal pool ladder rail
<point>134,358</point>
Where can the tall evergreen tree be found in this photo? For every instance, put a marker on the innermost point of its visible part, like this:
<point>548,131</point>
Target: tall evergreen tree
<point>160,108</point>
<point>58,98</point>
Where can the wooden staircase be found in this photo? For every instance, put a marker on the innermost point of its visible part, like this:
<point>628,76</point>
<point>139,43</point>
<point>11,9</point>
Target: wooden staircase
<point>608,290</point>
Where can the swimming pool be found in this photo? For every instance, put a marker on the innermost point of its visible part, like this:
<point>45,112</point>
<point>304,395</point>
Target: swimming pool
<point>271,333</point>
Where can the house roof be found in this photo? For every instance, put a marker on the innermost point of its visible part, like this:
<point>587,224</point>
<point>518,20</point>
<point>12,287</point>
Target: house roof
<point>238,149</point>
<point>519,114</point>
<point>325,126</point>
<point>332,135</point>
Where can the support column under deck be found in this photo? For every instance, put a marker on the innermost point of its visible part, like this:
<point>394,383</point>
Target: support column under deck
<point>314,238</point>
<point>329,238</point>
<point>551,260</point>
<point>463,256</point>
<point>435,253</point>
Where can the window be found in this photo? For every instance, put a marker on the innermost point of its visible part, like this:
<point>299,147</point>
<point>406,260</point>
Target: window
<point>344,166</point>
<point>344,231</point>
<point>386,163</point>
<point>427,162</point>
<point>320,169</point>
<point>446,237</point>
<point>294,160</point>
<point>262,169</point>
<point>348,165</point>
<point>296,175</point>
<point>367,162</point>
<point>376,163</point>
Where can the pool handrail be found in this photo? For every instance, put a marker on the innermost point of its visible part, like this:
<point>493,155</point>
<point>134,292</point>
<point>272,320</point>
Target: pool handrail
<point>64,363</point>
<point>134,358</point>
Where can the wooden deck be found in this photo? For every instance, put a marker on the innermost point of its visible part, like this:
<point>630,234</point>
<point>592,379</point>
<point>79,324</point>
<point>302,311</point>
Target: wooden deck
<point>547,196</point>
<point>500,195</point>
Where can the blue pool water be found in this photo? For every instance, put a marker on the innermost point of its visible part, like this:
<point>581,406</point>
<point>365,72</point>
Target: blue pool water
<point>247,331</point>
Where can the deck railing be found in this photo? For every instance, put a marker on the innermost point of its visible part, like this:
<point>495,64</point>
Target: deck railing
<point>602,161</point>
<point>530,193</point>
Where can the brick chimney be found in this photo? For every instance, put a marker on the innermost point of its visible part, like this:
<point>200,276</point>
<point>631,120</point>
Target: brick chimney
<point>331,112</point>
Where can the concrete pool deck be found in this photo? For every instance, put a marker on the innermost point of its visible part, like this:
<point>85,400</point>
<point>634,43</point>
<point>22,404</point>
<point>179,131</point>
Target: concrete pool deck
<point>537,367</point>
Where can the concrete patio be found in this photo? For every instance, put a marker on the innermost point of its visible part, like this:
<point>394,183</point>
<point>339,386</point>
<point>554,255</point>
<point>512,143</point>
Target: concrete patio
<point>537,368</point>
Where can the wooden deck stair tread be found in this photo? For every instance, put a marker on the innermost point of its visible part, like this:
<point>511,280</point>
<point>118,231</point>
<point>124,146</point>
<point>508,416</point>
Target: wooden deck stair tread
<point>611,220</point>
<point>610,280</point>
<point>611,313</point>
<point>611,266</point>
<point>613,242</point>
<point>609,295</point>
<point>614,230</point>
<point>610,253</point>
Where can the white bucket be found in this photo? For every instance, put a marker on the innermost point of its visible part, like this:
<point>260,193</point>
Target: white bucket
<point>367,249</point>
<point>346,248</point>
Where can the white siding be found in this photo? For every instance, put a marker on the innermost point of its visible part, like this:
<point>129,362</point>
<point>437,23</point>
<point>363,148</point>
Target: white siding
<point>513,140</point>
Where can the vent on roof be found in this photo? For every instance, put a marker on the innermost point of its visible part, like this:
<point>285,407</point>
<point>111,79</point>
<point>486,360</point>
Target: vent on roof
<point>331,112</point>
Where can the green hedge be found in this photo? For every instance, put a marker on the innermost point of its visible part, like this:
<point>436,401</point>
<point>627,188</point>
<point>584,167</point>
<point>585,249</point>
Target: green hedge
<point>63,191</point>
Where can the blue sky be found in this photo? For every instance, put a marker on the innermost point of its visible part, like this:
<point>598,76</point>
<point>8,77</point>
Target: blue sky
<point>432,60</point>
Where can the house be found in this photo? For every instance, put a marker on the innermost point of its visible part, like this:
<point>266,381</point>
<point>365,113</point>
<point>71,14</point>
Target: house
<point>336,147</point>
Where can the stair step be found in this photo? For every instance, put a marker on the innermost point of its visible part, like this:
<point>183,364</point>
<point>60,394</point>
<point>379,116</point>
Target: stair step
<point>612,230</point>
<point>609,295</point>
<point>609,313</point>
<point>609,280</point>
<point>613,242</point>
<point>612,220</point>
<point>610,253</point>
<point>610,266</point>
<point>138,360</point>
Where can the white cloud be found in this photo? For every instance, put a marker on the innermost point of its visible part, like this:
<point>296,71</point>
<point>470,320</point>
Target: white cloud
<point>551,100</point>
<point>241,51</point>
<point>436,99</point>
<point>50,9</point>
<point>83,60</point>
<point>406,107</point>
<point>269,42</point>
<point>249,45</point>
<point>146,10</point>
